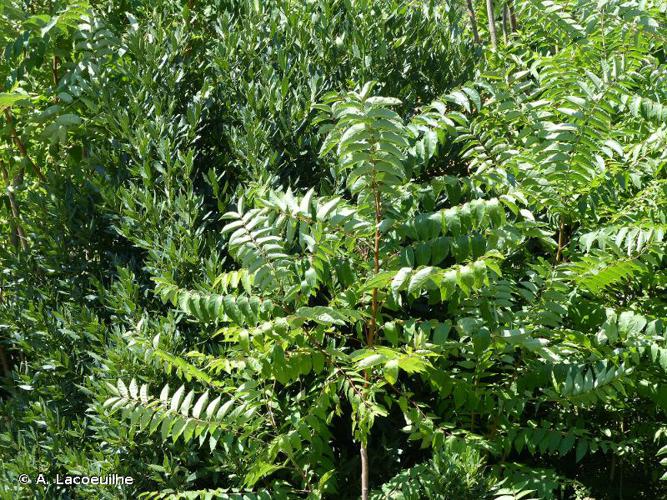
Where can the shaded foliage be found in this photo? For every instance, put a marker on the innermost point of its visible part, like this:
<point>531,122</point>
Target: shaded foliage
<point>242,240</point>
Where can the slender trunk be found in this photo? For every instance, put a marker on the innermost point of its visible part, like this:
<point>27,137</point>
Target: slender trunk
<point>620,480</point>
<point>4,362</point>
<point>370,338</point>
<point>505,22</point>
<point>54,70</point>
<point>22,240</point>
<point>561,242</point>
<point>510,8</point>
<point>372,328</point>
<point>13,237</point>
<point>473,20</point>
<point>21,147</point>
<point>18,238</point>
<point>492,23</point>
<point>364,472</point>
<point>620,466</point>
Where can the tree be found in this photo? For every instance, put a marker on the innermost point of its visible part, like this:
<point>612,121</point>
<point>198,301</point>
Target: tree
<point>249,280</point>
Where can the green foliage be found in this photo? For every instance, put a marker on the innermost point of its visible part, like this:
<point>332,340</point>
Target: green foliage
<point>453,472</point>
<point>243,241</point>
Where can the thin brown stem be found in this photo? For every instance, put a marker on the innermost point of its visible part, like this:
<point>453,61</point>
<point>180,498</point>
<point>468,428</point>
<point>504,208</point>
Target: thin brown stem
<point>19,238</point>
<point>620,465</point>
<point>13,238</point>
<point>372,327</point>
<point>4,362</point>
<point>363,450</point>
<point>370,338</point>
<point>473,414</point>
<point>54,70</point>
<point>20,146</point>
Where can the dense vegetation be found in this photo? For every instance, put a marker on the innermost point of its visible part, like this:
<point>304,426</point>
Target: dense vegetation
<point>379,248</point>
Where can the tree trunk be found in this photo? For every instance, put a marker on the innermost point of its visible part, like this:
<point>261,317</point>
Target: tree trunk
<point>561,241</point>
<point>492,24</point>
<point>364,472</point>
<point>510,8</point>
<point>372,330</point>
<point>4,363</point>
<point>54,70</point>
<point>473,21</point>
